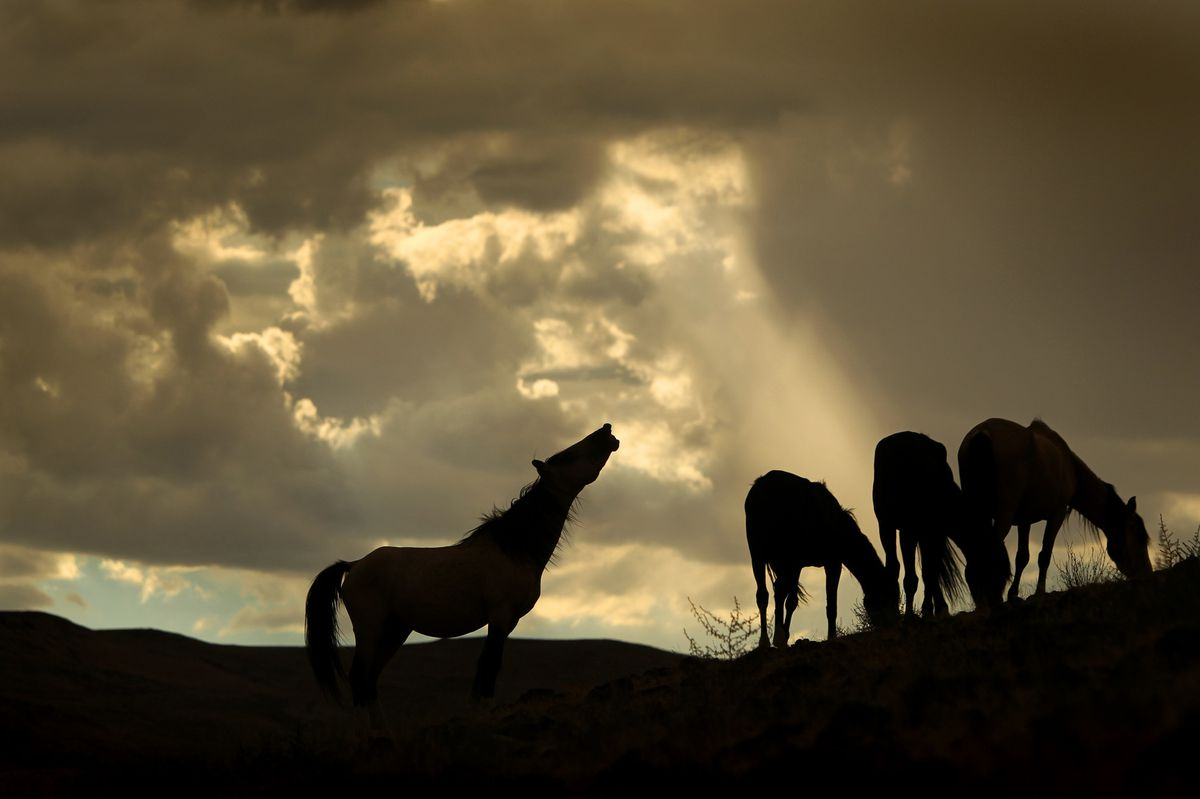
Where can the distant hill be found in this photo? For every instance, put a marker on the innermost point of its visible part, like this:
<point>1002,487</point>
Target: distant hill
<point>74,697</point>
<point>1090,692</point>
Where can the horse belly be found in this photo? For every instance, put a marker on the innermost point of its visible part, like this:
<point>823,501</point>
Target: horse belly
<point>450,624</point>
<point>444,608</point>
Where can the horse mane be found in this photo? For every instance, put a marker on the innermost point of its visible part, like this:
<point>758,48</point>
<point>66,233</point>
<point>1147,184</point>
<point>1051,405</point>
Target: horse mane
<point>1075,516</point>
<point>511,527</point>
<point>1050,432</point>
<point>1114,506</point>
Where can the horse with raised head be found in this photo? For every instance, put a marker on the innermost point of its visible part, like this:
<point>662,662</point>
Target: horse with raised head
<point>1021,475</point>
<point>492,577</point>
<point>791,523</point>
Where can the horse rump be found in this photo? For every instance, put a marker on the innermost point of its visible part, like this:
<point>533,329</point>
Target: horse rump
<point>988,568</point>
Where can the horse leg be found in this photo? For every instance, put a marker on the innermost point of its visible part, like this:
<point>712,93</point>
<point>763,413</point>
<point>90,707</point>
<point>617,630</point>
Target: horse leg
<point>1048,536</point>
<point>1019,563</point>
<point>375,644</point>
<point>762,596</point>
<point>931,572</point>
<point>887,537</point>
<point>787,587</point>
<point>833,573</point>
<point>488,666</point>
<point>908,549</point>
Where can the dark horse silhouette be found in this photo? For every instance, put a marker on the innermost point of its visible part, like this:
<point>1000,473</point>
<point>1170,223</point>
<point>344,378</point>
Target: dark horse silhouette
<point>791,523</point>
<point>1021,475</point>
<point>492,576</point>
<point>914,493</point>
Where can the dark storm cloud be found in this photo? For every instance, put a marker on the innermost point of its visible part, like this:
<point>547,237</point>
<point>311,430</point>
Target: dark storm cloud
<point>986,206</point>
<point>456,345</point>
<point>287,116</point>
<point>290,6</point>
<point>24,597</point>
<point>271,280</point>
<point>21,563</point>
<point>1035,256</point>
<point>539,174</point>
<point>176,461</point>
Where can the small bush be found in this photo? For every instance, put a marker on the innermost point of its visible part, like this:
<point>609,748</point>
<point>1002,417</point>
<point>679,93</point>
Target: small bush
<point>1172,550</point>
<point>1079,570</point>
<point>862,619</point>
<point>730,638</point>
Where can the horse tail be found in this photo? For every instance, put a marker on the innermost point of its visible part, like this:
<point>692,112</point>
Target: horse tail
<point>947,571</point>
<point>321,627</point>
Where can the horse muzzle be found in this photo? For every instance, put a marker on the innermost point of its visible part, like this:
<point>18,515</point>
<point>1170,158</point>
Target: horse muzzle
<point>613,442</point>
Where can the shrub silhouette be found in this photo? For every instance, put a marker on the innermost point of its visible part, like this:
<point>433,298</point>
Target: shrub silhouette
<point>1080,570</point>
<point>729,638</point>
<point>1172,550</point>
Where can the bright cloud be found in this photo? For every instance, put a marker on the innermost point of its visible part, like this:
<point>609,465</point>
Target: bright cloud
<point>165,582</point>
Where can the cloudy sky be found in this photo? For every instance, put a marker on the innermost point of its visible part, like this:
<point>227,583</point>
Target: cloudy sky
<point>280,284</point>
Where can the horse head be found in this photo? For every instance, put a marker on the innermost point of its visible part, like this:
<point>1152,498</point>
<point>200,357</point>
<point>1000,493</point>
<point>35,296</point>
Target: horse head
<point>1127,541</point>
<point>578,465</point>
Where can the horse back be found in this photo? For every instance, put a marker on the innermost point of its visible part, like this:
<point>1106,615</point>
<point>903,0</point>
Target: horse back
<point>792,520</point>
<point>913,483</point>
<point>1027,472</point>
<point>442,592</point>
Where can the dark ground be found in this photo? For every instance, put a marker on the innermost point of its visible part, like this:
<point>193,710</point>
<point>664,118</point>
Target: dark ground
<point>1094,691</point>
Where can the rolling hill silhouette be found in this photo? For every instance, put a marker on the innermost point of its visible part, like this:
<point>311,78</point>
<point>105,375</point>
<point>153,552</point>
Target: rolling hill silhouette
<point>1092,691</point>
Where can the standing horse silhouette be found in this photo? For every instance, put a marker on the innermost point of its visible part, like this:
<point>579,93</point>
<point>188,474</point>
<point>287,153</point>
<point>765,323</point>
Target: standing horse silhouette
<point>791,523</point>
<point>1021,475</point>
<point>492,577</point>
<point>914,493</point>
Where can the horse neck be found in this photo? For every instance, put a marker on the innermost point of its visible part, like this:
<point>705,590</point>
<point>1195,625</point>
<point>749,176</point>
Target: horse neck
<point>861,559</point>
<point>545,515</point>
<point>1091,494</point>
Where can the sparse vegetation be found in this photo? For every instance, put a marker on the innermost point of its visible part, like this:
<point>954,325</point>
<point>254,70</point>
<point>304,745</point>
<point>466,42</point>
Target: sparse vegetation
<point>862,620</point>
<point>1080,570</point>
<point>1172,550</point>
<point>728,638</point>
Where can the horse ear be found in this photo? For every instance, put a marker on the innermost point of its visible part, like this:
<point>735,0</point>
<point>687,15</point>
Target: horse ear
<point>1132,505</point>
<point>538,465</point>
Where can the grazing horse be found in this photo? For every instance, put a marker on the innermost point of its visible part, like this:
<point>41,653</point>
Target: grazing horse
<point>791,523</point>
<point>914,493</point>
<point>492,577</point>
<point>1021,475</point>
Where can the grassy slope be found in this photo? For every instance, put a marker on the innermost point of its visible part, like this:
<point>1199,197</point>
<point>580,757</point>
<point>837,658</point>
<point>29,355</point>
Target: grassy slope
<point>1094,691</point>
